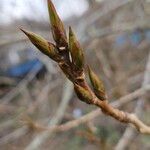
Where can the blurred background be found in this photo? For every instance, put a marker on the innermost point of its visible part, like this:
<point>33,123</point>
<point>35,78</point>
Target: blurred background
<point>115,36</point>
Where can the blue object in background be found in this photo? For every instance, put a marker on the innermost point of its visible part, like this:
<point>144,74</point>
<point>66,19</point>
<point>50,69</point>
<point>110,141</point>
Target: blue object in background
<point>22,69</point>
<point>135,37</point>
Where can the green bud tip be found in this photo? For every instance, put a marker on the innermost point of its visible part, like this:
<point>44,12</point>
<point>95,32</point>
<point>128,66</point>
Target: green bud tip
<point>58,30</point>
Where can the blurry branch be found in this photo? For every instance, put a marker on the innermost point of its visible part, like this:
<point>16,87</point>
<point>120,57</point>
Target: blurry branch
<point>112,6</point>
<point>43,96</point>
<point>6,109</point>
<point>10,41</point>
<point>6,124</point>
<point>14,135</point>
<point>129,133</point>
<point>66,96</point>
<point>7,80</point>
<point>90,116</point>
<point>133,81</point>
<point>105,63</point>
<point>119,28</point>
<point>26,95</point>
<point>142,23</point>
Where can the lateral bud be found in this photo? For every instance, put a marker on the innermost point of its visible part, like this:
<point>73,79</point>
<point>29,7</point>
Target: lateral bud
<point>97,84</point>
<point>83,94</point>
<point>75,50</point>
<point>43,45</point>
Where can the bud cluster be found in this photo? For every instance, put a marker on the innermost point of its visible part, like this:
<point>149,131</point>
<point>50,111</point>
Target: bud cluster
<point>69,56</point>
